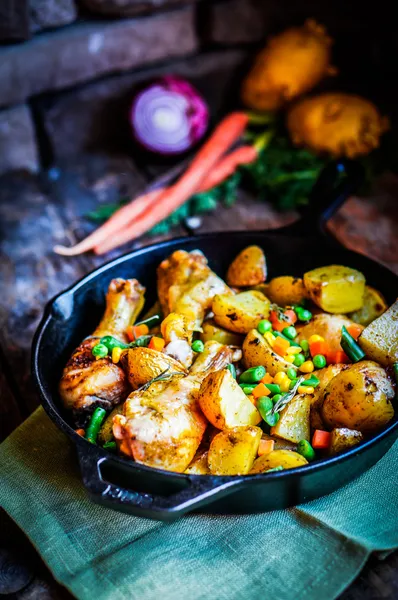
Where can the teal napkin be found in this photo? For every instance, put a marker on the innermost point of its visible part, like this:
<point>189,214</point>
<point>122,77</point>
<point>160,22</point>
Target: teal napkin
<point>313,551</point>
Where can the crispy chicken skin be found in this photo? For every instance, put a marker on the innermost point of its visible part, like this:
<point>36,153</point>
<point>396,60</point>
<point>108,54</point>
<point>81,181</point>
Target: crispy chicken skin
<point>163,426</point>
<point>86,381</point>
<point>187,286</point>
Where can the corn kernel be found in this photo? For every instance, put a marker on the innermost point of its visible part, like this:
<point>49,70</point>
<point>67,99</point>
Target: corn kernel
<point>315,338</point>
<point>289,358</point>
<point>305,389</point>
<point>307,367</point>
<point>295,350</point>
<point>285,385</point>
<point>270,338</point>
<point>280,377</point>
<point>116,354</point>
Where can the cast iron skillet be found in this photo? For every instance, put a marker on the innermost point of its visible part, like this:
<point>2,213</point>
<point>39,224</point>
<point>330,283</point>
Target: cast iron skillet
<point>127,486</point>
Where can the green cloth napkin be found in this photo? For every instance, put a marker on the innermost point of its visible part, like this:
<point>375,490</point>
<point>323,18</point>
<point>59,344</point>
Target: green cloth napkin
<point>313,551</point>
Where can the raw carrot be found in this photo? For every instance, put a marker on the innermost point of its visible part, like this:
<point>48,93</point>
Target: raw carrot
<point>321,439</point>
<point>265,447</point>
<point>225,134</point>
<point>228,165</point>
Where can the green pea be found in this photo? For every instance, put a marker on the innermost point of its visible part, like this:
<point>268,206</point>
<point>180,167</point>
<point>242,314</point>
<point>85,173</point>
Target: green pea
<point>305,345</point>
<point>276,398</point>
<point>290,332</point>
<point>263,326</point>
<point>264,406</point>
<point>232,370</point>
<point>198,346</point>
<point>272,419</point>
<point>305,449</point>
<point>291,373</point>
<point>252,375</point>
<point>273,388</point>
<point>319,361</point>
<point>247,388</point>
<point>299,360</point>
<point>303,314</point>
<point>99,351</point>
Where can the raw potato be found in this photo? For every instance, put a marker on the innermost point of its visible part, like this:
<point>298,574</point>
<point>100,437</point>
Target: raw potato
<point>374,305</point>
<point>380,339</point>
<point>143,364</point>
<point>328,327</point>
<point>342,438</point>
<point>286,290</point>
<point>290,64</point>
<point>257,351</point>
<point>105,433</point>
<point>242,312</point>
<point>212,331</point>
<point>325,376</point>
<point>335,288</point>
<point>359,398</point>
<point>199,465</point>
<point>232,451</point>
<point>294,421</point>
<point>248,268</point>
<point>224,403</point>
<point>278,458</point>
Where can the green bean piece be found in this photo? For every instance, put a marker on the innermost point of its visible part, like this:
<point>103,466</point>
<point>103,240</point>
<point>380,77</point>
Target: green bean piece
<point>305,449</point>
<point>247,388</point>
<point>99,351</point>
<point>395,368</point>
<point>263,326</point>
<point>232,370</point>
<point>252,375</point>
<point>312,381</point>
<point>274,388</point>
<point>264,406</point>
<point>276,398</point>
<point>94,425</point>
<point>293,383</point>
<point>141,342</point>
<point>198,346</point>
<point>290,332</point>
<point>350,347</point>
<point>111,342</point>
<point>150,321</point>
<point>112,446</point>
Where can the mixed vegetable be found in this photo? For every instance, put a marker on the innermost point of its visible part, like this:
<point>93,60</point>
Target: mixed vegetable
<point>241,376</point>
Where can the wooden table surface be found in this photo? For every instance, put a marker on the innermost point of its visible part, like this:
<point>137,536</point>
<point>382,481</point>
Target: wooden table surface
<point>36,213</point>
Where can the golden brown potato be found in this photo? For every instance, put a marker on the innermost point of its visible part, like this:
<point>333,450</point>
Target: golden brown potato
<point>374,305</point>
<point>328,327</point>
<point>342,438</point>
<point>341,124</point>
<point>280,444</point>
<point>291,63</point>
<point>212,331</point>
<point>105,433</point>
<point>380,339</point>
<point>262,287</point>
<point>199,465</point>
<point>248,268</point>
<point>294,421</point>
<point>242,312</point>
<point>232,451</point>
<point>224,403</point>
<point>335,288</point>
<point>257,351</point>
<point>278,458</point>
<point>143,364</point>
<point>359,398</point>
<point>286,290</point>
<point>325,376</point>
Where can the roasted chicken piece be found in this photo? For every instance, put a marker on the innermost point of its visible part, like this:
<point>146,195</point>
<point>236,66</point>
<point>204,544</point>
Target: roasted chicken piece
<point>87,382</point>
<point>187,286</point>
<point>163,425</point>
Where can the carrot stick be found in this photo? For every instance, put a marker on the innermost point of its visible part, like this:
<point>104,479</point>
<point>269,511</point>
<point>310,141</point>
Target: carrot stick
<point>227,132</point>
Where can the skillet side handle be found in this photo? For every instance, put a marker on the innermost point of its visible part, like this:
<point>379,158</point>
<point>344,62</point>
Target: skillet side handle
<point>335,184</point>
<point>199,490</point>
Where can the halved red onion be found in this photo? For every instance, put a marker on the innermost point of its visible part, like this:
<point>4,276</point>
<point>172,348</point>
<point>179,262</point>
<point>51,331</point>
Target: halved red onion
<point>169,116</point>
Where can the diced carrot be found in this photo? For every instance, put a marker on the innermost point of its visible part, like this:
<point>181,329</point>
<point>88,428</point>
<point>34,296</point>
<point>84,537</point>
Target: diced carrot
<point>265,447</point>
<point>156,343</point>
<point>281,346</point>
<point>321,439</point>
<point>337,357</point>
<point>135,331</point>
<point>320,347</point>
<point>260,390</point>
<point>80,432</point>
<point>291,316</point>
<point>267,378</point>
<point>252,399</point>
<point>355,330</point>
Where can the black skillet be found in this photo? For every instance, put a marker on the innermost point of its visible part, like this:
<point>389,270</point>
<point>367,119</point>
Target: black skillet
<point>127,486</point>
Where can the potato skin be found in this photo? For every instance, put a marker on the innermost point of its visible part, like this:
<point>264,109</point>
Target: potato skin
<point>242,312</point>
<point>248,268</point>
<point>380,339</point>
<point>325,376</point>
<point>374,305</point>
<point>232,451</point>
<point>286,290</point>
<point>212,331</point>
<point>342,438</point>
<point>359,398</point>
<point>256,351</point>
<point>327,326</point>
<point>287,459</point>
<point>335,288</point>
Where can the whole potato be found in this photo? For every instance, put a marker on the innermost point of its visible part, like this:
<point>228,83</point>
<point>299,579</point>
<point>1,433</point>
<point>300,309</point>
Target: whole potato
<point>328,327</point>
<point>359,398</point>
<point>248,268</point>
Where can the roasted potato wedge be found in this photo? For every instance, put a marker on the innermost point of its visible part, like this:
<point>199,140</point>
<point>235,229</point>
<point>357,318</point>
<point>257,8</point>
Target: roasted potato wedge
<point>374,305</point>
<point>248,268</point>
<point>242,312</point>
<point>286,290</point>
<point>143,364</point>
<point>257,351</point>
<point>199,465</point>
<point>212,331</point>
<point>224,403</point>
<point>380,339</point>
<point>294,421</point>
<point>327,326</point>
<point>342,438</point>
<point>359,398</point>
<point>232,451</point>
<point>105,433</point>
<point>278,458</point>
<point>335,288</point>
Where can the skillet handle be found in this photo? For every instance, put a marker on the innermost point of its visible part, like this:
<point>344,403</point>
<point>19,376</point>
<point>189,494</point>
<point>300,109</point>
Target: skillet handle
<point>335,184</point>
<point>198,490</point>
